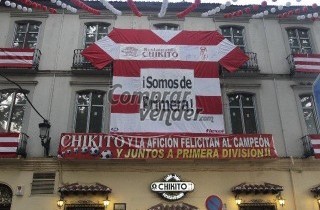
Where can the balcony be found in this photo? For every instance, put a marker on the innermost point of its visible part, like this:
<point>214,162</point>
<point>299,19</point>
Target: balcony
<point>304,65</point>
<point>13,145</point>
<point>81,66</point>
<point>14,60</point>
<point>311,145</point>
<point>250,68</point>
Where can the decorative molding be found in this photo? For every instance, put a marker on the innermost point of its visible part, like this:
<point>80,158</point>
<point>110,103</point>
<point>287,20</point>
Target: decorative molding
<point>19,82</point>
<point>29,15</point>
<point>78,83</point>
<point>234,85</point>
<point>102,16</point>
<point>166,18</point>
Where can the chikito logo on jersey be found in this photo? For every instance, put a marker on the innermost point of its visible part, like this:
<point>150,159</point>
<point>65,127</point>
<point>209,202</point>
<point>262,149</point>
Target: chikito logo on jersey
<point>160,53</point>
<point>130,51</point>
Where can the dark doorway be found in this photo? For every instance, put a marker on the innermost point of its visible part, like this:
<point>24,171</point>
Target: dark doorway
<point>257,207</point>
<point>85,207</point>
<point>5,197</point>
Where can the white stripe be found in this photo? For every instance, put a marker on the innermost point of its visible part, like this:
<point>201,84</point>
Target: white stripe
<point>316,151</point>
<point>109,46</point>
<point>136,125</point>
<point>315,141</point>
<point>6,53</point>
<point>185,52</point>
<point>9,139</point>
<point>306,59</point>
<point>8,149</point>
<point>16,61</point>
<point>307,67</point>
<point>202,86</point>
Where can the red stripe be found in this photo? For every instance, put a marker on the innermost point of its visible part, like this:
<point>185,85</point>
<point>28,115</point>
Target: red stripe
<point>132,68</point>
<point>234,59</point>
<point>9,144</point>
<point>16,50</point>
<point>15,65</point>
<point>314,136</point>
<point>8,154</point>
<point>9,135</point>
<point>306,55</point>
<point>308,70</point>
<point>144,36</point>
<point>209,104</point>
<point>125,104</point>
<point>97,56</point>
<point>16,57</point>
<point>307,63</point>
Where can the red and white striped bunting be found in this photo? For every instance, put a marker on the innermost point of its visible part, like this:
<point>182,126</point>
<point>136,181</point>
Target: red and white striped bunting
<point>307,63</point>
<point>16,58</point>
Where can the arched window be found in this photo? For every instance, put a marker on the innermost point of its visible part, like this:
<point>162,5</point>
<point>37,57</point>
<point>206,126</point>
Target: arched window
<point>243,113</point>
<point>299,40</point>
<point>26,34</point>
<point>309,113</point>
<point>89,111</point>
<point>95,31</point>
<point>166,26</point>
<point>234,34</point>
<point>12,106</point>
<point>5,197</point>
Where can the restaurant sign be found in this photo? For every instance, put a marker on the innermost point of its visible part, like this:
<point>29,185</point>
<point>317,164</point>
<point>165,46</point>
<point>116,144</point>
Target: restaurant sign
<point>166,146</point>
<point>172,188</point>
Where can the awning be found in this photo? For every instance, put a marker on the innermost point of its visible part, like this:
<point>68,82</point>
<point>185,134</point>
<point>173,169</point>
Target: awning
<point>77,188</point>
<point>176,206</point>
<point>264,188</point>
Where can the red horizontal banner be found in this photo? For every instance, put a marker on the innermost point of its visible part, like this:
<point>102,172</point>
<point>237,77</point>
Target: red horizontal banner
<point>165,146</point>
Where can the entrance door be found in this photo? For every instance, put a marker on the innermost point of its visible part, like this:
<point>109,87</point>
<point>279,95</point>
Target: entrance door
<point>258,207</point>
<point>85,207</point>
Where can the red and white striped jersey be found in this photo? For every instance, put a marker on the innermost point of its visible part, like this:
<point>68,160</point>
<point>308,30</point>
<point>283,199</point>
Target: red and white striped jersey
<point>165,62</point>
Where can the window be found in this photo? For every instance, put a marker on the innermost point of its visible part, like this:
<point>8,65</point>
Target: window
<point>12,106</point>
<point>43,183</point>
<point>94,32</point>
<point>166,26</point>
<point>299,40</point>
<point>234,34</point>
<point>26,34</point>
<point>309,113</point>
<point>242,113</point>
<point>5,197</point>
<point>89,111</point>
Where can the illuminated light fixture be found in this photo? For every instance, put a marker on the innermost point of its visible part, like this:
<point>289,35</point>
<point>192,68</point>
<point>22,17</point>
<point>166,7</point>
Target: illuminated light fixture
<point>106,202</point>
<point>281,200</point>
<point>60,202</point>
<point>238,200</point>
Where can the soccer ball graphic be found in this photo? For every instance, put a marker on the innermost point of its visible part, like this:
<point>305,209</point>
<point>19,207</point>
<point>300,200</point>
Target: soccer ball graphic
<point>84,149</point>
<point>75,150</point>
<point>106,154</point>
<point>94,150</point>
<point>68,151</point>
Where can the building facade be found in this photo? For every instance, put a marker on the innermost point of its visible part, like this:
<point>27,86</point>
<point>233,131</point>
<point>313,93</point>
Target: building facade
<point>270,94</point>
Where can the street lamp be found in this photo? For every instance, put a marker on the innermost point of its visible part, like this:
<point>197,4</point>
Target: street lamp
<point>44,136</point>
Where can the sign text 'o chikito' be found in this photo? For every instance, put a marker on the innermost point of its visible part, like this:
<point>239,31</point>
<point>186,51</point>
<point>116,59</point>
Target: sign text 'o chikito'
<point>172,188</point>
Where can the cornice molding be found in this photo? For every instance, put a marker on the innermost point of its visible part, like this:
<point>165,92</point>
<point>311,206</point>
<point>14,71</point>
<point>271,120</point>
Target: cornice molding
<point>53,164</point>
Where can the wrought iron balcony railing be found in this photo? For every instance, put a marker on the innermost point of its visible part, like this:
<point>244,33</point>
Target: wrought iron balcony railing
<point>82,66</point>
<point>251,66</point>
<point>22,146</point>
<point>308,145</point>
